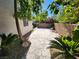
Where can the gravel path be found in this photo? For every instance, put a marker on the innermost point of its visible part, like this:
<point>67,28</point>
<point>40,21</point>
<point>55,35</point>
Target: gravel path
<point>40,39</point>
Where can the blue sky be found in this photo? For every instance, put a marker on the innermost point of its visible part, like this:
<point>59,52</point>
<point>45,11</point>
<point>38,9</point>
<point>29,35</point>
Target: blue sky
<point>45,5</point>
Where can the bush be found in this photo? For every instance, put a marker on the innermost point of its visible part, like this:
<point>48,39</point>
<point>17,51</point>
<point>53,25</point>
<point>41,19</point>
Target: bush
<point>7,41</point>
<point>69,45</point>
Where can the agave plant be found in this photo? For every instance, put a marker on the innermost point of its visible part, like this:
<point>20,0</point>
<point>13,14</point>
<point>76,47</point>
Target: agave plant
<point>8,39</point>
<point>76,34</point>
<point>69,47</point>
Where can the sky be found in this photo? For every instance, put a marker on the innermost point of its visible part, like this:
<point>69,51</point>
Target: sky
<point>45,5</point>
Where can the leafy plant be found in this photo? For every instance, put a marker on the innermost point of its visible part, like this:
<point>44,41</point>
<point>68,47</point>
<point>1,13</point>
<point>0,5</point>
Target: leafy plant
<point>68,15</point>
<point>69,47</point>
<point>26,8</point>
<point>8,39</point>
<point>75,33</point>
<point>65,11</point>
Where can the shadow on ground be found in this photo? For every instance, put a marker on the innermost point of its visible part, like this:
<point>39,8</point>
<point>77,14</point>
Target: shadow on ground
<point>17,51</point>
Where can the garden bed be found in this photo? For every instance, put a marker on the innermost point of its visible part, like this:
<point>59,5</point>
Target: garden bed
<point>16,51</point>
<point>55,54</point>
<point>44,25</point>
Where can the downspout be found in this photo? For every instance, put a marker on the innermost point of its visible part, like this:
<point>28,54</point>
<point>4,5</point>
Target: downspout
<point>16,19</point>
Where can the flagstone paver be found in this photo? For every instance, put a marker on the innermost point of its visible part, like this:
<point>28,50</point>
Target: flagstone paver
<point>40,39</point>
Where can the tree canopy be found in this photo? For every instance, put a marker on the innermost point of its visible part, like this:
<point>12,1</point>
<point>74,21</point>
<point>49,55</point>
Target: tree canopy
<point>63,10</point>
<point>28,8</point>
<point>69,13</point>
<point>40,17</point>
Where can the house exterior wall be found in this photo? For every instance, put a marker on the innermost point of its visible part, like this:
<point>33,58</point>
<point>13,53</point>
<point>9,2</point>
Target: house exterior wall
<point>25,29</point>
<point>7,21</point>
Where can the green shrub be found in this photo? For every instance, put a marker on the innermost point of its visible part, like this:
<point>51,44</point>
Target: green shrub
<point>7,41</point>
<point>75,33</point>
<point>69,45</point>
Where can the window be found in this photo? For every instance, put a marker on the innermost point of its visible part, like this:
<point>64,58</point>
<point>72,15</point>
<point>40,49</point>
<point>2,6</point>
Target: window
<point>25,22</point>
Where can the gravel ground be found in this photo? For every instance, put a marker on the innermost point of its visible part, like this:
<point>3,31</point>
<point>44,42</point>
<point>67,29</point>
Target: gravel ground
<point>40,39</point>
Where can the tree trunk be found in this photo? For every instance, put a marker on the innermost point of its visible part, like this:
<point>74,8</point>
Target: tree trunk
<point>16,19</point>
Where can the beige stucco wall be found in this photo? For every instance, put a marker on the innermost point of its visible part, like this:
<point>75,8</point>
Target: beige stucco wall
<point>7,22</point>
<point>25,29</point>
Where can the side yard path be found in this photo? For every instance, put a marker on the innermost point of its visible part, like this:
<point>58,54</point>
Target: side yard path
<point>40,39</point>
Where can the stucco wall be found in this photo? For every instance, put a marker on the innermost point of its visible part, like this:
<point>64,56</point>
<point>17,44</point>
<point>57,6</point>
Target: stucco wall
<point>25,29</point>
<point>7,22</point>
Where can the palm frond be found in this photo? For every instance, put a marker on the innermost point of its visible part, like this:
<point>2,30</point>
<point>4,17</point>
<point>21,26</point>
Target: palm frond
<point>8,39</point>
<point>11,38</point>
<point>55,44</point>
<point>3,36</point>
